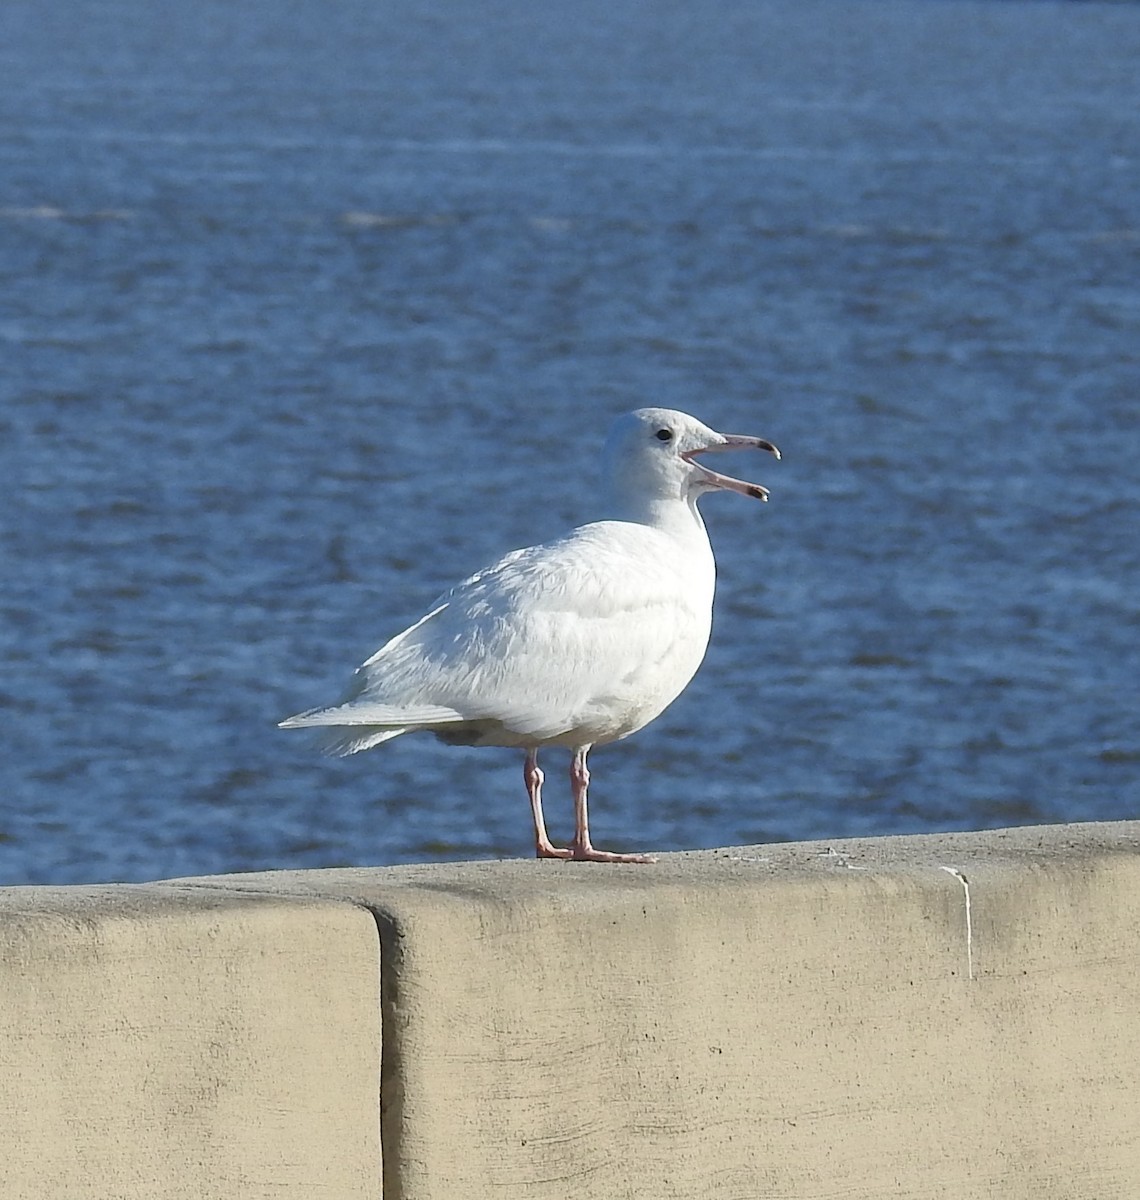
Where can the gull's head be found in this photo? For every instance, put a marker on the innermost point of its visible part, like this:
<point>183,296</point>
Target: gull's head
<point>651,456</point>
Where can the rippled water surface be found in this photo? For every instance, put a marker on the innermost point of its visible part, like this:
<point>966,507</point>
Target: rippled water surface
<point>308,309</point>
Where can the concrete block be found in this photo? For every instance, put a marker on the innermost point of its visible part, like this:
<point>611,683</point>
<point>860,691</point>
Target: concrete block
<point>171,1042</point>
<point>930,1017</point>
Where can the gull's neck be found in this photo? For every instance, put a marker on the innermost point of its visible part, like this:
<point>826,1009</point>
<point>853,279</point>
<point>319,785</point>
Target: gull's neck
<point>673,515</point>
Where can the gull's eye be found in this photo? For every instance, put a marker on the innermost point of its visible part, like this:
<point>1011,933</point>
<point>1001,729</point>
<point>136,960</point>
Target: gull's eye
<point>664,435</point>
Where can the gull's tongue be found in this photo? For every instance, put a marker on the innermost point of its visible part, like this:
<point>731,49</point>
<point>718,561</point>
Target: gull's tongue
<point>717,480</point>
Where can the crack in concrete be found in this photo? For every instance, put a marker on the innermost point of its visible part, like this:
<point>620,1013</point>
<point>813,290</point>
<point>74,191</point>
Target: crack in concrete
<point>969,918</point>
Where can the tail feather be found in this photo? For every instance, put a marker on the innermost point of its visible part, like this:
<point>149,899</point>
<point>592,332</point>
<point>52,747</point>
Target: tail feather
<point>392,715</point>
<point>350,739</point>
<point>350,728</point>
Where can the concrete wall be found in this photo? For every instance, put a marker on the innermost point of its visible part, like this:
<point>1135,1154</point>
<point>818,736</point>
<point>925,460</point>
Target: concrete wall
<point>186,1042</point>
<point>951,1016</point>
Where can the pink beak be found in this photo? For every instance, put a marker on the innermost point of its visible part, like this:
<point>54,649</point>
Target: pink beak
<point>713,479</point>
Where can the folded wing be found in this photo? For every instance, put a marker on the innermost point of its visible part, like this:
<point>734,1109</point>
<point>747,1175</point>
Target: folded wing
<point>568,635</point>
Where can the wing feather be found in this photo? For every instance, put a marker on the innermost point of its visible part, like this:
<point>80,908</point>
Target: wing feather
<point>586,629</point>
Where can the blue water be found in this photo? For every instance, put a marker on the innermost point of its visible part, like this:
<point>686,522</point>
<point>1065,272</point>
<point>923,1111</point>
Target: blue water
<point>308,309</point>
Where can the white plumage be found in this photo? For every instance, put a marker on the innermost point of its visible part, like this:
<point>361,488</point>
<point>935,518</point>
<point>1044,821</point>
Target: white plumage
<point>574,642</point>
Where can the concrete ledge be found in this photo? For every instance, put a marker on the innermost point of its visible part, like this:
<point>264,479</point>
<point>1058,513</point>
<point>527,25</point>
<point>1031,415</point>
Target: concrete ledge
<point>177,1042</point>
<point>905,1017</point>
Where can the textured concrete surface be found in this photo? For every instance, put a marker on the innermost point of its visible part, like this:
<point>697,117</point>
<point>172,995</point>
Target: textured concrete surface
<point>953,1016</point>
<point>162,1042</point>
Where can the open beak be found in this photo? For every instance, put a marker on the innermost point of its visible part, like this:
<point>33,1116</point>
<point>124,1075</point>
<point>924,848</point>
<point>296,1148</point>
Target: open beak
<point>713,479</point>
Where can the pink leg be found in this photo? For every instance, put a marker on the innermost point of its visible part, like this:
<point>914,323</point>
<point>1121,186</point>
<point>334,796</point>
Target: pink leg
<point>533,775</point>
<point>582,849</point>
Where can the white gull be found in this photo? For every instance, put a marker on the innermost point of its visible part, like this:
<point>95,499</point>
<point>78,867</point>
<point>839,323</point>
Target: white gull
<point>575,642</point>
